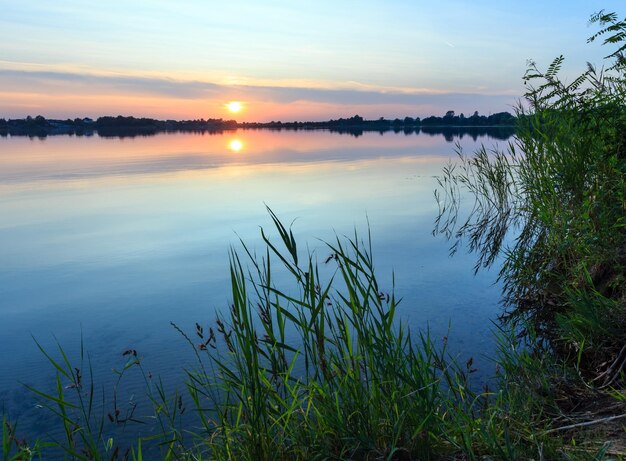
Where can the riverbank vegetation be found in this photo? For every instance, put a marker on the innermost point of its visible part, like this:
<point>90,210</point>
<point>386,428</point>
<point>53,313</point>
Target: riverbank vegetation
<point>320,367</point>
<point>558,194</point>
<point>554,204</point>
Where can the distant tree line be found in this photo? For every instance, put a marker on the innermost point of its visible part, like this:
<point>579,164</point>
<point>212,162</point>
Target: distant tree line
<point>500,125</point>
<point>120,126</point>
<point>451,119</point>
<point>114,126</point>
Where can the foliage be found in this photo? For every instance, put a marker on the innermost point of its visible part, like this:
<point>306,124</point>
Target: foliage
<point>318,367</point>
<point>15,448</point>
<point>553,204</point>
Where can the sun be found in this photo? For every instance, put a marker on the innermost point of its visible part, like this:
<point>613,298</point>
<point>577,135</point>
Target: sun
<point>234,106</point>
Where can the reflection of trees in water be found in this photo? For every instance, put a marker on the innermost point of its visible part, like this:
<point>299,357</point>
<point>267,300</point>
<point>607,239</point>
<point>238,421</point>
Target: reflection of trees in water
<point>450,132</point>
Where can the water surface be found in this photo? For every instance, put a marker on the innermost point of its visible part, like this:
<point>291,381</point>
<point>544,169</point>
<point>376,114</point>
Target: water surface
<point>112,239</point>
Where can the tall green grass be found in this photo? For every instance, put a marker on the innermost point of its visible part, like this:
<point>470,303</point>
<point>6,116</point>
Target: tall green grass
<point>311,362</point>
<point>318,367</point>
<point>553,203</point>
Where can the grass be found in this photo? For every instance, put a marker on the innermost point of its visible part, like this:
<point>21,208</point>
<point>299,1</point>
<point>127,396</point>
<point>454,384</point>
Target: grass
<point>318,368</point>
<point>315,370</point>
<point>558,194</point>
<point>553,204</point>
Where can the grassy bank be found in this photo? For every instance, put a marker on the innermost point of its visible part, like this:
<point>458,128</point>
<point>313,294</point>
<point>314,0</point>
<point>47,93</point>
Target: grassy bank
<point>320,367</point>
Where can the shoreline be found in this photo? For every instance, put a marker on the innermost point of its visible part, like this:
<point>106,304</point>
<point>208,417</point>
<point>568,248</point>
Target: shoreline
<point>130,126</point>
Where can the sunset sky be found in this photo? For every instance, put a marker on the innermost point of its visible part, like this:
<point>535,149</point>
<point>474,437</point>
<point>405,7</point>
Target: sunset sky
<point>283,60</point>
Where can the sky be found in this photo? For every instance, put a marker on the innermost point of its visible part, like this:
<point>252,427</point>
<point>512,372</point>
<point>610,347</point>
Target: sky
<point>283,60</point>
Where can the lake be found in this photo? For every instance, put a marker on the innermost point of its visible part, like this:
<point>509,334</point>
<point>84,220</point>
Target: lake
<point>111,239</point>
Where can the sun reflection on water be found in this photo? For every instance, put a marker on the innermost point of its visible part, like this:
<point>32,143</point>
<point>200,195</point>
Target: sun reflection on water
<point>235,145</point>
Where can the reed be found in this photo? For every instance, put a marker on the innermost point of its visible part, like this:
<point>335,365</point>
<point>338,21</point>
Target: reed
<point>317,366</point>
<point>553,205</point>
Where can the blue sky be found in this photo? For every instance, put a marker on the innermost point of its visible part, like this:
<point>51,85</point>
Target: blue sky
<point>283,59</point>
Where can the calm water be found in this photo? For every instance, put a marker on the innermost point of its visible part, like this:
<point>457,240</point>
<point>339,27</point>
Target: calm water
<point>113,239</point>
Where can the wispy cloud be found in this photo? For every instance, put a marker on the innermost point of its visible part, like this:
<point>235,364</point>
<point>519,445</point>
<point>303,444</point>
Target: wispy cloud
<point>47,80</point>
<point>55,83</point>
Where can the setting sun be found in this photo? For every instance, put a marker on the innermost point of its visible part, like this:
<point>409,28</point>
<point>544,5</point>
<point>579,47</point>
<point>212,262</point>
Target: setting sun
<point>234,106</point>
